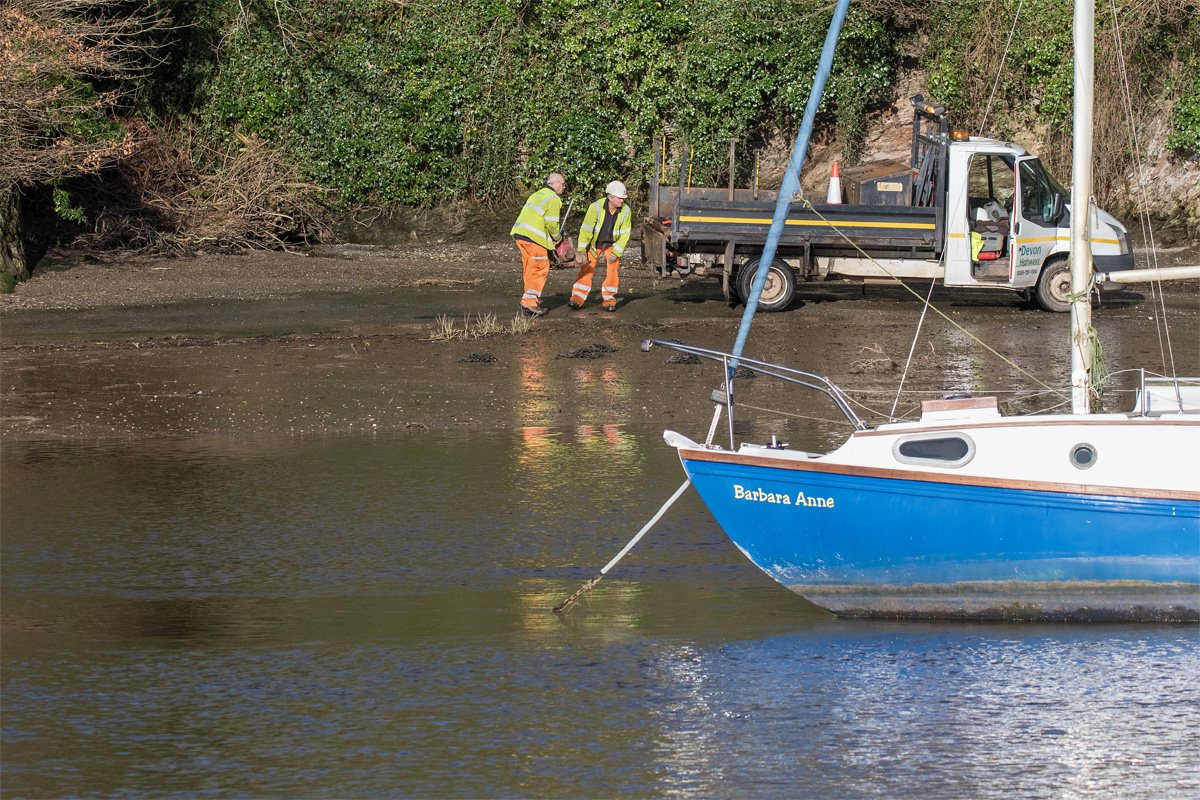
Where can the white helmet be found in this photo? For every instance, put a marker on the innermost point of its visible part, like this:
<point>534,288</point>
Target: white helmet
<point>616,189</point>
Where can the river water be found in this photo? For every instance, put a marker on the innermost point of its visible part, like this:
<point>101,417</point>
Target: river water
<point>371,617</point>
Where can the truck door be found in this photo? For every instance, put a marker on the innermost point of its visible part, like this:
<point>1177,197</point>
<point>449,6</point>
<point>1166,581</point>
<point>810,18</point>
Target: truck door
<point>979,218</point>
<point>991,187</point>
<point>1039,204</point>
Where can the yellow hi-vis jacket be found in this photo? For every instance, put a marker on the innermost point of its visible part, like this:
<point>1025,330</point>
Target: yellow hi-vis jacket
<point>538,220</point>
<point>594,218</point>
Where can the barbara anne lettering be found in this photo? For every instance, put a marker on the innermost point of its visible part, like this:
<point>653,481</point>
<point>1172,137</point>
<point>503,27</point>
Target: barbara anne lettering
<point>758,495</point>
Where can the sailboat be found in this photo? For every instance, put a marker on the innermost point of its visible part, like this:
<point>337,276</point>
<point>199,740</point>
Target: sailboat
<point>966,513</point>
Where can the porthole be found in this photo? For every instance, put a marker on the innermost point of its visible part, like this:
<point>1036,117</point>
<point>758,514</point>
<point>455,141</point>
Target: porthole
<point>942,450</point>
<point>1083,456</point>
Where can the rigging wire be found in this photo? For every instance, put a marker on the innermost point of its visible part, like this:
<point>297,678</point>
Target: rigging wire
<point>916,335</point>
<point>927,300</point>
<point>1017,396</point>
<point>938,311</point>
<point>782,413</point>
<point>1164,333</point>
<point>987,109</point>
<point>1167,352</point>
<point>982,125</point>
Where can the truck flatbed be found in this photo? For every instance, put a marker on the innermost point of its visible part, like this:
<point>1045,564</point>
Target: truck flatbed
<point>964,210</point>
<point>700,219</point>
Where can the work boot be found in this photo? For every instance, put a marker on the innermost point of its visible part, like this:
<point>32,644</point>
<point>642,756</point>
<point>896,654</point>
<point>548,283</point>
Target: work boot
<point>574,306</point>
<point>533,311</point>
<point>610,306</point>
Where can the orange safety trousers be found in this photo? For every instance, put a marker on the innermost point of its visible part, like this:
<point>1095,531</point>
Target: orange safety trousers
<point>535,266</point>
<point>583,283</point>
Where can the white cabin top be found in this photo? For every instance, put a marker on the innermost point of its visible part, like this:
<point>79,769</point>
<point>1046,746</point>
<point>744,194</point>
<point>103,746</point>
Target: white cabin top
<point>977,143</point>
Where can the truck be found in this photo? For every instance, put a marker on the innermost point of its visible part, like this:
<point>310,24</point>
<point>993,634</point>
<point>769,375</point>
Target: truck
<point>967,211</point>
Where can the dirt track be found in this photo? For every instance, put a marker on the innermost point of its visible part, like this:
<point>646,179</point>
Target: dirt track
<point>340,341</point>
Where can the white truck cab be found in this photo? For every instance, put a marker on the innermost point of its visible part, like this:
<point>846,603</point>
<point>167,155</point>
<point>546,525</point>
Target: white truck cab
<point>968,211</point>
<point>1008,224</point>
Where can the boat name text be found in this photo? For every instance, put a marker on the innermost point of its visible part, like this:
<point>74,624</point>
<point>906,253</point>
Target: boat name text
<point>740,493</point>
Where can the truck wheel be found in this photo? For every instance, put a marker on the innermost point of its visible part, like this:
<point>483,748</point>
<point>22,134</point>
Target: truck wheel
<point>1054,286</point>
<point>779,289</point>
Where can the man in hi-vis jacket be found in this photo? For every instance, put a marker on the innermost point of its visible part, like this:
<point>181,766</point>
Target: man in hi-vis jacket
<point>535,232</point>
<point>604,234</point>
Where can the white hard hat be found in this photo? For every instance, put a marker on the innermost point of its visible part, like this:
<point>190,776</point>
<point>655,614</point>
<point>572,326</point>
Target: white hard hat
<point>616,189</point>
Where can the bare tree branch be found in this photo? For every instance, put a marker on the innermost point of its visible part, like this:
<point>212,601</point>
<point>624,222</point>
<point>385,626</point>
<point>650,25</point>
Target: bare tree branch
<point>65,67</point>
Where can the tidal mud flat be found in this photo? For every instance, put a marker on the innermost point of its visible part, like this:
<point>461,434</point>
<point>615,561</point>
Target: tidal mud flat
<point>213,582</point>
<point>343,339</point>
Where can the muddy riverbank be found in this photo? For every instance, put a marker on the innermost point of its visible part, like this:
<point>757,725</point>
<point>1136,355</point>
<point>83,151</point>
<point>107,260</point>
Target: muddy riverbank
<point>342,340</point>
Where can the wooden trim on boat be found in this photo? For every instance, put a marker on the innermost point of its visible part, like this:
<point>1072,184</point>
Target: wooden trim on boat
<point>960,404</point>
<point>725,457</point>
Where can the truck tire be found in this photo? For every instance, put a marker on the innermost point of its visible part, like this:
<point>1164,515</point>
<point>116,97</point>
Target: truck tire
<point>1054,285</point>
<point>779,289</point>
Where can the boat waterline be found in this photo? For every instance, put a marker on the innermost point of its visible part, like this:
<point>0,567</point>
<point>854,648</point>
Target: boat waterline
<point>1011,601</point>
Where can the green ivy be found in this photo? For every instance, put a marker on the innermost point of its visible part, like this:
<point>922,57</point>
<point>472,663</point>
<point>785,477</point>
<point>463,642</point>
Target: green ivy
<point>1030,86</point>
<point>1185,116</point>
<point>387,102</point>
<point>396,102</point>
<point>1037,73</point>
<point>186,53</point>
<point>64,209</point>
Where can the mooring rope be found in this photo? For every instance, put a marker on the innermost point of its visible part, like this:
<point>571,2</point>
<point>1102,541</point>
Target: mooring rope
<point>565,604</point>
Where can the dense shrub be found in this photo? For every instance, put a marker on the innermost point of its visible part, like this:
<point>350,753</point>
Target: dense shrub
<point>1018,81</point>
<point>1185,133</point>
<point>391,102</point>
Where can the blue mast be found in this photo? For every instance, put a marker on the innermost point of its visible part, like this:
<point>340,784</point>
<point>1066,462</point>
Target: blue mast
<point>791,177</point>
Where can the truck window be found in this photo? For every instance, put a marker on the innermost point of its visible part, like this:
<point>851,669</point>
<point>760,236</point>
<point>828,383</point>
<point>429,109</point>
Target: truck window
<point>990,187</point>
<point>1038,191</point>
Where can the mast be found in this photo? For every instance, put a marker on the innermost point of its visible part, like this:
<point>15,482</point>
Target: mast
<point>1081,195</point>
<point>791,177</point>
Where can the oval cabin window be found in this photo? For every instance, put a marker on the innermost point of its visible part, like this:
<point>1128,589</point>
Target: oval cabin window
<point>942,451</point>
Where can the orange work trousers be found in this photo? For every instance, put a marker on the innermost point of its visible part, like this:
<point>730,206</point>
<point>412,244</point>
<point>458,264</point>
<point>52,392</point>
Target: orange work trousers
<point>583,283</point>
<point>535,266</point>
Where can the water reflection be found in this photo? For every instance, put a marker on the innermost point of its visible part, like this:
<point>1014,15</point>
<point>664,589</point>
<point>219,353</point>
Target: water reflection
<point>366,617</point>
<point>873,711</point>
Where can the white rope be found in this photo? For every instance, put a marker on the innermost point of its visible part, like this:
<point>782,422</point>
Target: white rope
<point>913,348</point>
<point>682,488</point>
<point>565,604</point>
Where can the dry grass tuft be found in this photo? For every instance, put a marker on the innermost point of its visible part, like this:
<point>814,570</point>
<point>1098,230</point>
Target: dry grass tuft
<point>482,326</point>
<point>879,361</point>
<point>520,324</point>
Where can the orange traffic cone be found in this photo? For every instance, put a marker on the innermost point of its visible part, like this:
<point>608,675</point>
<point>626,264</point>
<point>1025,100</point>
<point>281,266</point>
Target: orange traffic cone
<point>835,187</point>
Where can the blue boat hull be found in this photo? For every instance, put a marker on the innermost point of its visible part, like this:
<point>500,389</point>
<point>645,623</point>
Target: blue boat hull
<point>863,544</point>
